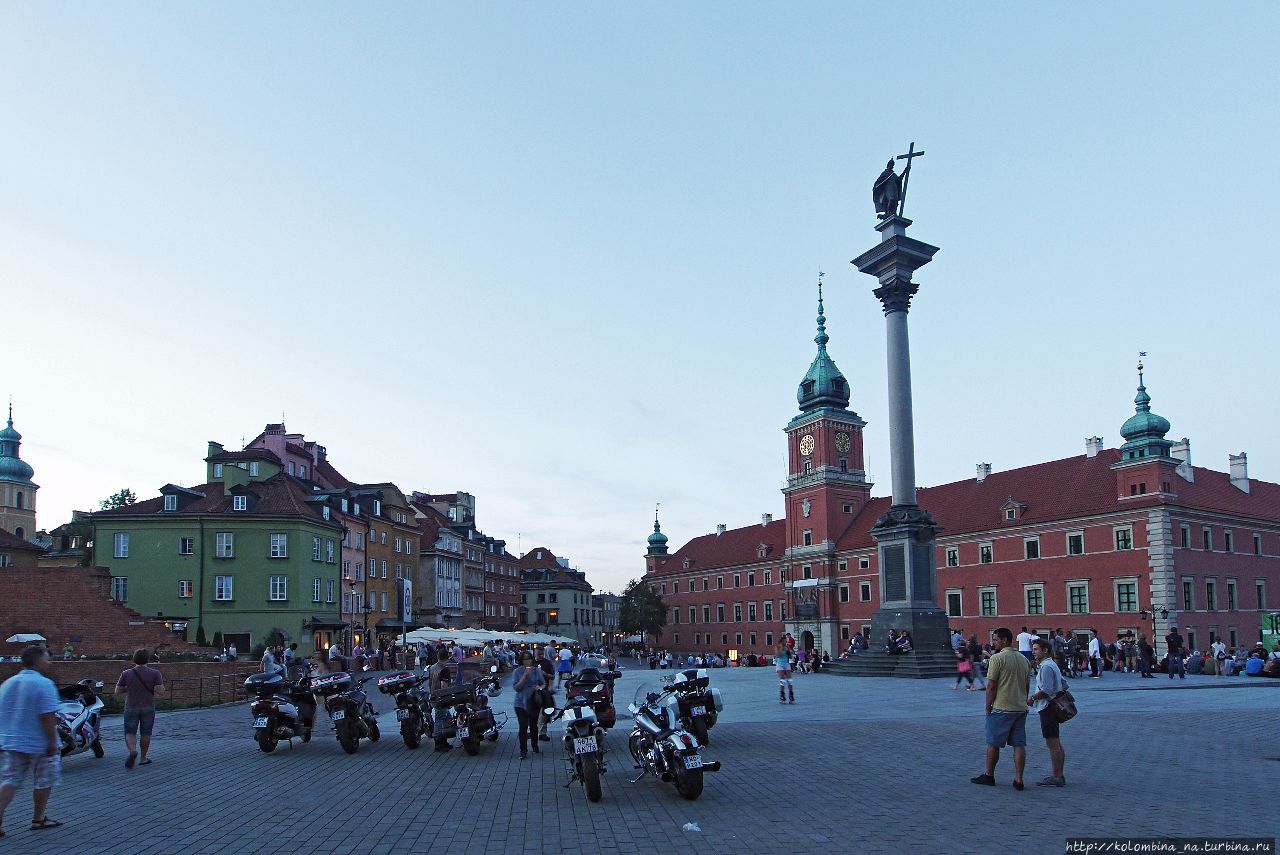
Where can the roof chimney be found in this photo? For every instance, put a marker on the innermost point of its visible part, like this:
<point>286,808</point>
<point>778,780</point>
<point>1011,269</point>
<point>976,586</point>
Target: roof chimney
<point>984,469</point>
<point>1092,445</point>
<point>765,519</point>
<point>720,527</point>
<point>1239,470</point>
<point>1181,452</point>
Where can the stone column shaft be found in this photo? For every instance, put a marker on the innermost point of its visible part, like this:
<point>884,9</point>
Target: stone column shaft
<point>902,443</point>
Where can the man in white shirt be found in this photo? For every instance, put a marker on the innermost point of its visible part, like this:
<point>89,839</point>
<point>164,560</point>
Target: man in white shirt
<point>1095,655</point>
<point>565,669</point>
<point>1024,643</point>
<point>1048,684</point>
<point>1217,652</point>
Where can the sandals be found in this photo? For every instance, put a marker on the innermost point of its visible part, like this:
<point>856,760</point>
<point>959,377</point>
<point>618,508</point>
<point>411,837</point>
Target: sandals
<point>39,824</point>
<point>146,762</point>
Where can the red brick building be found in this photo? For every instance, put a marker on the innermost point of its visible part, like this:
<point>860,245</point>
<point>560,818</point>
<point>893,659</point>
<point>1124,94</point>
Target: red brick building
<point>1128,539</point>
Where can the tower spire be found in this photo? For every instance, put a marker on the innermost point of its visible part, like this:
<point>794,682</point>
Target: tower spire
<point>821,338</point>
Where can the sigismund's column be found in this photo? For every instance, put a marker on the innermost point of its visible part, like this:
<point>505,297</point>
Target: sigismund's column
<point>905,535</point>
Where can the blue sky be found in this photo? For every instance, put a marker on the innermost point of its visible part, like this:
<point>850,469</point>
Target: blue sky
<point>563,256</point>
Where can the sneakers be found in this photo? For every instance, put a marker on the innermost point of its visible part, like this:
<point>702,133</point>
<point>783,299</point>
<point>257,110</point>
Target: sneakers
<point>983,779</point>
<point>1052,782</point>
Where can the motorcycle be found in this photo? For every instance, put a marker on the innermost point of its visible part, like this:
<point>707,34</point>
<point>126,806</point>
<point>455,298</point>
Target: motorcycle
<point>284,708</point>
<point>697,706</point>
<point>80,718</point>
<point>660,745</point>
<point>353,717</point>
<point>584,684</point>
<point>413,709</point>
<point>584,737</point>
<point>471,719</point>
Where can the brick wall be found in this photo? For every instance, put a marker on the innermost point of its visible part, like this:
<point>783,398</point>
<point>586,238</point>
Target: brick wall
<point>59,602</point>
<point>188,682</point>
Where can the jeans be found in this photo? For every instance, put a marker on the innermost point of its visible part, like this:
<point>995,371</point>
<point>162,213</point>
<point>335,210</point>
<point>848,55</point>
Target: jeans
<point>1145,662</point>
<point>442,722</point>
<point>528,728</point>
<point>1177,666</point>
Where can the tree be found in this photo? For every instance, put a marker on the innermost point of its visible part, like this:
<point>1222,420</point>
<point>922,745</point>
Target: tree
<point>201,640</point>
<point>118,500</point>
<point>642,610</point>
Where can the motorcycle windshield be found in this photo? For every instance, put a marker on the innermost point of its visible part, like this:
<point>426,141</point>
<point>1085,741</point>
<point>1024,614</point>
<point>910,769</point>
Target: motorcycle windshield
<point>650,691</point>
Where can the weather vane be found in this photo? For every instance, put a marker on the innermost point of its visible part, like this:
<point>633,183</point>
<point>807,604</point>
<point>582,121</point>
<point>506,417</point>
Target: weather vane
<point>890,190</point>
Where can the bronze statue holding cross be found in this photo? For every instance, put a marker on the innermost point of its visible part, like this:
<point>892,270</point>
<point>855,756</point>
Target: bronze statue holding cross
<point>890,190</point>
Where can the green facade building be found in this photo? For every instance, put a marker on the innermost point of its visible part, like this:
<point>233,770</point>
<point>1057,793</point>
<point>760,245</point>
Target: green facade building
<point>252,550</point>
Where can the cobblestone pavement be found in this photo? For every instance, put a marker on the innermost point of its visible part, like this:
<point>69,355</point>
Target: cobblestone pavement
<point>861,765</point>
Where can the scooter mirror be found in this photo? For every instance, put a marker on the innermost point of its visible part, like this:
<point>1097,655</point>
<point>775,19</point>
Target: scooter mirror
<point>493,669</point>
<point>549,711</point>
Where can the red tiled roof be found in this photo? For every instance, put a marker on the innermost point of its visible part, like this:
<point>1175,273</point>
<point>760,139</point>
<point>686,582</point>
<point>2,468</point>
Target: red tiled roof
<point>12,541</point>
<point>531,561</point>
<point>247,454</point>
<point>327,474</point>
<point>1064,489</point>
<point>279,495</point>
<point>730,548</point>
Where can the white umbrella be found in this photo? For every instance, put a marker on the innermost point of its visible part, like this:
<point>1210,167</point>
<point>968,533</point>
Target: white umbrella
<point>24,637</point>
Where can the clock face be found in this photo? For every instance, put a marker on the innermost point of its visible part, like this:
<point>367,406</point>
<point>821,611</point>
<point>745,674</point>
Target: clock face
<point>842,443</point>
<point>806,444</point>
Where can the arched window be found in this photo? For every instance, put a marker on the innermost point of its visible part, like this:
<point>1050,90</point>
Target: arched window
<point>18,502</point>
<point>19,532</point>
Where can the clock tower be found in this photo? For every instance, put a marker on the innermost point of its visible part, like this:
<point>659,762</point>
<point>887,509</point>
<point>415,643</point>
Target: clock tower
<point>826,478</point>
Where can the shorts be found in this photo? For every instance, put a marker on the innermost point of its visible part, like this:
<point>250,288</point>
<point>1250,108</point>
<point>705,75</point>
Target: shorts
<point>565,667</point>
<point>784,673</point>
<point>1050,727</point>
<point>46,771</point>
<point>139,720</point>
<point>1006,728</point>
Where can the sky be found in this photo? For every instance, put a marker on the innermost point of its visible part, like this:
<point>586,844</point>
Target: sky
<point>563,256</point>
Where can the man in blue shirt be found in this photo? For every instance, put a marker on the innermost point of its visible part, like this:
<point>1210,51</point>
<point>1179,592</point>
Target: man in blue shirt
<point>29,735</point>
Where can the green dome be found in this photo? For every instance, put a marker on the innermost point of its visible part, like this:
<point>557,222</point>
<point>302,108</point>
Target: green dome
<point>1144,431</point>
<point>657,540</point>
<point>823,385</point>
<point>12,467</point>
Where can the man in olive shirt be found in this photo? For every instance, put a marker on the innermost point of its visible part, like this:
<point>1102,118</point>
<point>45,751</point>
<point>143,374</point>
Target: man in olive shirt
<point>1008,686</point>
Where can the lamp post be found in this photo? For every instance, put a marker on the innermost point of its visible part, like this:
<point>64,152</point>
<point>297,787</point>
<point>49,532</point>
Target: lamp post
<point>351,626</point>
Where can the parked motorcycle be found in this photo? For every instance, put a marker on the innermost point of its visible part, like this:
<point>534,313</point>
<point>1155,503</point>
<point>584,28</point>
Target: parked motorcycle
<point>584,737</point>
<point>696,704</point>
<point>353,717</point>
<point>80,718</point>
<point>584,683</point>
<point>660,745</point>
<point>413,709</point>
<point>470,717</point>
<point>284,708</point>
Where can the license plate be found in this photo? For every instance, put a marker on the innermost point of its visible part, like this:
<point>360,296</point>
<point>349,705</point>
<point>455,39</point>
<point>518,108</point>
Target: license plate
<point>402,715</point>
<point>260,721</point>
<point>693,761</point>
<point>338,715</point>
<point>584,745</point>
<point>463,733</point>
<point>698,710</point>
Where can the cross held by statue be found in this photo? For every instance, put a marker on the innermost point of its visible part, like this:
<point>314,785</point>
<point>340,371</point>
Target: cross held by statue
<point>906,174</point>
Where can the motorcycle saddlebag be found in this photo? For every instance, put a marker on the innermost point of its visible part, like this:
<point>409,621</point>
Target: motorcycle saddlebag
<point>263,685</point>
<point>331,684</point>
<point>719,701</point>
<point>452,695</point>
<point>393,683</point>
<point>482,719</point>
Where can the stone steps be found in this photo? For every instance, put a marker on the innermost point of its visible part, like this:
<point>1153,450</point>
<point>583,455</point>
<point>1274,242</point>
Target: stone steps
<point>920,664</point>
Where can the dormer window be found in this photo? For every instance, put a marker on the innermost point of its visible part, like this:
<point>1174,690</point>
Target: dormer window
<point>688,562</point>
<point>290,467</point>
<point>170,503</point>
<point>302,470</point>
<point>239,503</point>
<point>253,469</point>
<point>344,505</point>
<point>377,507</point>
<point>324,511</point>
<point>807,388</point>
<point>1010,514</point>
<point>217,470</point>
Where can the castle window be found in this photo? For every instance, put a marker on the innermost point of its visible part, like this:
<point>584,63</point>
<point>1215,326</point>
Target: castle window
<point>953,556</point>
<point>808,537</point>
<point>844,464</point>
<point>808,467</point>
<point>984,553</point>
<point>1075,543</point>
<point>864,592</point>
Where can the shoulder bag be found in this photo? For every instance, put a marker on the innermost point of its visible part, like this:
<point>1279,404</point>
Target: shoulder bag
<point>1063,706</point>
